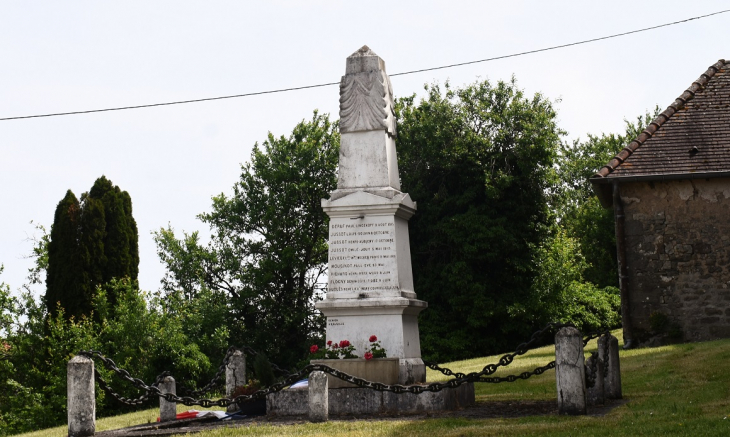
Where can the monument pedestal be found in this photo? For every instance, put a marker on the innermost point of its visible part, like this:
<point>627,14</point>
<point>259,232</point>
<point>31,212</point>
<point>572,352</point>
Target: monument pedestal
<point>393,321</point>
<point>370,278</point>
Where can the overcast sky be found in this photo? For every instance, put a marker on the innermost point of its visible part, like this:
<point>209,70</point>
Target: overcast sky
<point>78,55</point>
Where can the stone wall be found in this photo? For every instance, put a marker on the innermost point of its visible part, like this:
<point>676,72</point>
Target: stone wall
<point>678,257</point>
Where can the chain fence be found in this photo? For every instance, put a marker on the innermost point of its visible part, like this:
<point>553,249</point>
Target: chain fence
<point>460,378</point>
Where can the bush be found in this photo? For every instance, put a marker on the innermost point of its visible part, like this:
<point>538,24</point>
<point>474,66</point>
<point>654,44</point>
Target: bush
<point>560,293</point>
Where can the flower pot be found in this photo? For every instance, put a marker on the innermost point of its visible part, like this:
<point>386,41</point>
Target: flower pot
<point>384,370</point>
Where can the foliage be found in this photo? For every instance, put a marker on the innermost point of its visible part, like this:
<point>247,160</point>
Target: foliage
<point>479,162</point>
<point>560,292</point>
<point>140,335</point>
<point>65,278</point>
<point>577,208</point>
<point>268,250</point>
<point>263,370</point>
<point>91,242</point>
<point>120,252</point>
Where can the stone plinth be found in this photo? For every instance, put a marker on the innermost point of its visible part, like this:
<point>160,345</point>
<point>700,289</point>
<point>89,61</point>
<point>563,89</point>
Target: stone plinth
<point>385,370</point>
<point>356,401</point>
<point>168,410</point>
<point>81,399</point>
<point>318,397</point>
<point>570,376</point>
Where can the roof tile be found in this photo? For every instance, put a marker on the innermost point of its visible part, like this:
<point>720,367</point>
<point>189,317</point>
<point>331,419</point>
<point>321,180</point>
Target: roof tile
<point>700,118</point>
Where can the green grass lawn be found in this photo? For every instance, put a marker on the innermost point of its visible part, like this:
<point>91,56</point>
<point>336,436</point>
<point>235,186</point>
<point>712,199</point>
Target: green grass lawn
<point>673,390</point>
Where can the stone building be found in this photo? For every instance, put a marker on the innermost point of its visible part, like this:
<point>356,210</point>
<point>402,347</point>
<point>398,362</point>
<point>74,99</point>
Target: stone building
<point>670,191</point>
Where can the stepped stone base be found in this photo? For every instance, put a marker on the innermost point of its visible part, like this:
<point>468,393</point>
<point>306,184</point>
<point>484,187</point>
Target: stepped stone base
<point>347,401</point>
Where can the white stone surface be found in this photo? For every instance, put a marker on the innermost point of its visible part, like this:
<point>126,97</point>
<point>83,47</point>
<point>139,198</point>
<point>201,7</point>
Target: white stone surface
<point>318,397</point>
<point>370,257</point>
<point>570,376</point>
<point>235,375</point>
<point>168,410</point>
<point>370,289</point>
<point>397,331</point>
<point>366,95</point>
<point>367,160</point>
<point>81,397</point>
<point>235,372</point>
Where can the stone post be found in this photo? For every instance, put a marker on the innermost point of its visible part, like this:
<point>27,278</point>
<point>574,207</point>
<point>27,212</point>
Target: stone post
<point>570,371</point>
<point>81,400</point>
<point>235,375</point>
<point>318,397</point>
<point>612,380</point>
<point>596,394</point>
<point>168,410</point>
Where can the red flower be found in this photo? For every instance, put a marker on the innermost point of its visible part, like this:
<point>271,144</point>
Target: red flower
<point>373,339</point>
<point>368,355</point>
<point>329,343</point>
<point>344,343</point>
<point>334,346</point>
<point>313,349</point>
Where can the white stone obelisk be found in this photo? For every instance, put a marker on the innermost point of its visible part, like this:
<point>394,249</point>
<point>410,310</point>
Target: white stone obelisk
<point>370,290</point>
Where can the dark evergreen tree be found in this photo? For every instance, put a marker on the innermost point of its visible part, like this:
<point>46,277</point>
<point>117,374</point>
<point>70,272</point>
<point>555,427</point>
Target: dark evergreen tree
<point>65,275</point>
<point>92,242</point>
<point>119,247</point>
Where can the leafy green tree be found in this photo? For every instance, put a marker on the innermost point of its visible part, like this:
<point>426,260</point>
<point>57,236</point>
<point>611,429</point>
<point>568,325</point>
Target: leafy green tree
<point>268,250</point>
<point>479,162</point>
<point>560,292</point>
<point>577,207</point>
<point>91,242</point>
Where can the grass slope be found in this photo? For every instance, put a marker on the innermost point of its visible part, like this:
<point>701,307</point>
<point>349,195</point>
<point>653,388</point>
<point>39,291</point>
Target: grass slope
<point>673,390</point>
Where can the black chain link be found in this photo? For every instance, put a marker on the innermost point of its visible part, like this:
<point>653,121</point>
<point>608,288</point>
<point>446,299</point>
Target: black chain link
<point>524,375</point>
<point>507,359</point>
<point>125,400</point>
<point>214,381</point>
<point>460,378</point>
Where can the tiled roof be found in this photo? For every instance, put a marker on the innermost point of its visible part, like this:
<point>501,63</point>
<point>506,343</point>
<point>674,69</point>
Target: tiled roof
<point>692,136</point>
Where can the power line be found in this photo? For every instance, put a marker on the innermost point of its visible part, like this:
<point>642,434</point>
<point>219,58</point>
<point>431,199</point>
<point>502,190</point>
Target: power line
<point>257,93</point>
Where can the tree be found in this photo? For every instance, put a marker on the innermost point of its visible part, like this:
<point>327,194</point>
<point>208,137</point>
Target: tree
<point>560,292</point>
<point>65,285</point>
<point>112,249</point>
<point>479,162</point>
<point>577,207</point>
<point>91,242</point>
<point>268,249</point>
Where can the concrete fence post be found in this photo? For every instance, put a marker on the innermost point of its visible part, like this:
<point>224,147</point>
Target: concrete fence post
<point>570,371</point>
<point>318,397</point>
<point>81,397</point>
<point>235,375</point>
<point>596,394</point>
<point>168,410</point>
<point>612,376</point>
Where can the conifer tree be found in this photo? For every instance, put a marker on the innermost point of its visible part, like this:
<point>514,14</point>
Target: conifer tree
<point>92,242</point>
<point>64,278</point>
<point>119,242</point>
